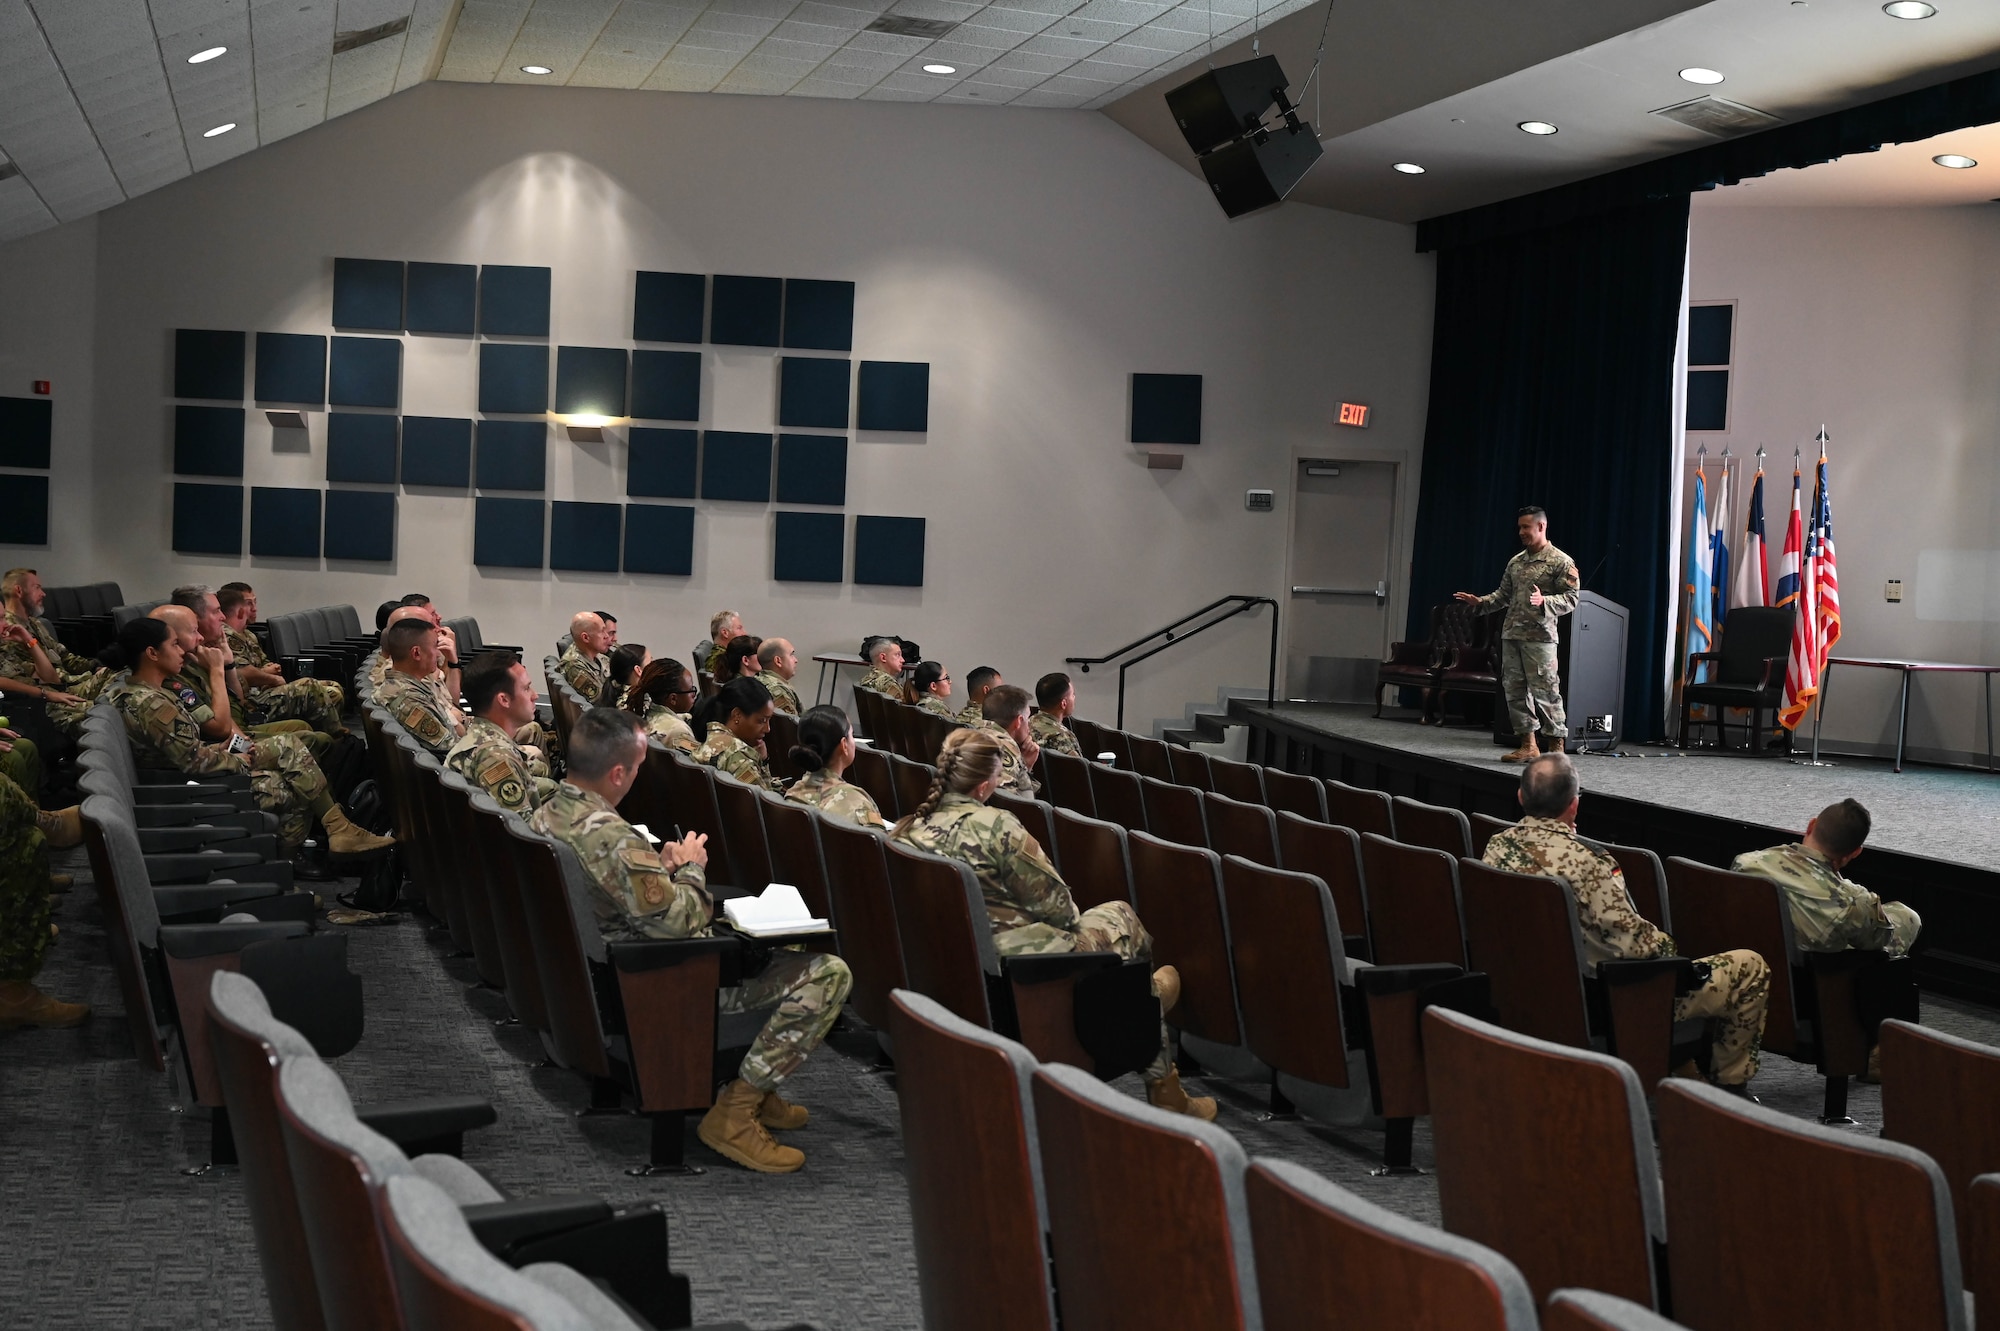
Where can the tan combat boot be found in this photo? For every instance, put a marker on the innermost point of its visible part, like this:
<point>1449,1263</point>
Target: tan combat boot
<point>1556,745</point>
<point>1167,987</point>
<point>778,1112</point>
<point>61,828</point>
<point>344,838</point>
<point>21,1004</point>
<point>1166,1093</point>
<point>1529,749</point>
<point>62,882</point>
<point>731,1129</point>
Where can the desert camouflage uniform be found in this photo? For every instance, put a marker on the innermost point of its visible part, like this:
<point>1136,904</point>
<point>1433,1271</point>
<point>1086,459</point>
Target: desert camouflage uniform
<point>317,702</point>
<point>421,707</point>
<point>878,680</point>
<point>1528,636</point>
<point>192,685</point>
<point>836,798</point>
<point>1014,776</point>
<point>671,728</point>
<point>586,674</point>
<point>22,764</point>
<point>283,775</point>
<point>488,757</point>
<point>783,696</point>
<point>1738,983</point>
<point>937,706</point>
<point>637,897</point>
<point>1050,733</point>
<point>24,886</point>
<point>726,753</point>
<point>1829,913</point>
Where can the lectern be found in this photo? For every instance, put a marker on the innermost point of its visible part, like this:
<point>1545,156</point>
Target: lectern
<point>1590,653</point>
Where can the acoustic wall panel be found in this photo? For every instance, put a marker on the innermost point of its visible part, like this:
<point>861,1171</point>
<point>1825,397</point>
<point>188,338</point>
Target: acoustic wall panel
<point>513,455</point>
<point>819,316</point>
<point>361,448</point>
<point>659,538</point>
<point>735,465</point>
<point>360,524</point>
<point>808,547</point>
<point>744,311</point>
<point>284,523</point>
<point>513,377</point>
<point>583,536</point>
<point>669,307</point>
<point>26,425</point>
<point>365,372</point>
<point>208,519</point>
<point>889,552</point>
<point>513,301</point>
<point>1709,333</point>
<point>208,441</point>
<point>1708,399</point>
<point>440,297</point>
<point>208,363</point>
<point>666,385</point>
<point>812,469</point>
<point>368,294</point>
<point>291,367</point>
<point>1166,408</point>
<point>812,391</point>
<point>507,533</point>
<point>590,381</point>
<point>24,518</point>
<point>893,395</point>
<point>660,464</point>
<point>437,450</point>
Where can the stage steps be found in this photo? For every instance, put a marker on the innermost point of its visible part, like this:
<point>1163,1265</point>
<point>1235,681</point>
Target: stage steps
<point>1204,725</point>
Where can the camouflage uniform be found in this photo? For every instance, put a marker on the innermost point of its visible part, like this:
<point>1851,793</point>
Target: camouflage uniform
<point>488,757</point>
<point>1528,637</point>
<point>671,728</point>
<point>783,696</point>
<point>378,670</point>
<point>711,657</point>
<point>283,775</point>
<point>1027,902</point>
<point>1014,777</point>
<point>586,674</point>
<point>726,753</point>
<point>24,886</point>
<point>17,662</point>
<point>421,707</point>
<point>937,706</point>
<point>1829,913</point>
<point>971,714</point>
<point>878,680</point>
<point>192,685</point>
<point>1050,733</point>
<point>68,716</point>
<point>1738,982</point>
<point>317,702</point>
<point>22,764</point>
<point>836,798</point>
<point>637,897</point>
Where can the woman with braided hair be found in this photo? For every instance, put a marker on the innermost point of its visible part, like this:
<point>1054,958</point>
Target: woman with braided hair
<point>1027,903</point>
<point>656,698</point>
<point>824,750</point>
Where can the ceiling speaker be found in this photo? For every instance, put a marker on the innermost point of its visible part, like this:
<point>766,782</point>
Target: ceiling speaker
<point>1249,164</point>
<point>1224,104</point>
<point>1258,171</point>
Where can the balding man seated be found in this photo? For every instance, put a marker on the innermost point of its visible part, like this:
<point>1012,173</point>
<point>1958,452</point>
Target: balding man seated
<point>885,667</point>
<point>777,662</point>
<point>300,707</point>
<point>583,662</point>
<point>202,686</point>
<point>412,691</point>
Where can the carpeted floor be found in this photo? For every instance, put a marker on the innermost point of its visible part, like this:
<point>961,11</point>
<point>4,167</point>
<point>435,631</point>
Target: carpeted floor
<point>104,1231</point>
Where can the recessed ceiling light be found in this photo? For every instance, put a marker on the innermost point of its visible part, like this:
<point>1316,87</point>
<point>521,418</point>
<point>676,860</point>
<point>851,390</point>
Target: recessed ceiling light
<point>536,69</point>
<point>1407,168</point>
<point>203,57</point>
<point>1908,9</point>
<point>1537,127</point>
<point>1956,161</point>
<point>219,129</point>
<point>940,69</point>
<point>1696,74</point>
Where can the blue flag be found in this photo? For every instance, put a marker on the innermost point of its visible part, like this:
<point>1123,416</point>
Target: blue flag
<point>1701,595</point>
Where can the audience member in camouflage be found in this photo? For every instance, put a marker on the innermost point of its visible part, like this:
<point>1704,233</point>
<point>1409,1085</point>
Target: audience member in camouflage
<point>67,709</point>
<point>1538,584</point>
<point>21,763</point>
<point>778,662</point>
<point>885,667</point>
<point>265,694</point>
<point>1014,776</point>
<point>1830,913</point>
<point>725,624</point>
<point>930,685</point>
<point>657,697</point>
<point>735,721</point>
<point>1005,713</point>
<point>502,697</point>
<point>1735,985</point>
<point>35,653</point>
<point>979,682</point>
<point>26,834</point>
<point>1055,701</point>
<point>726,753</point>
<point>583,662</point>
<point>411,694</point>
<point>824,752</point>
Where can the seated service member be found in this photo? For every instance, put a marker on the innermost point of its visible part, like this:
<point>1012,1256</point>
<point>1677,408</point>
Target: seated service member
<point>979,681</point>
<point>1027,903</point>
<point>656,698</point>
<point>647,893</point>
<point>212,634</point>
<point>503,700</point>
<point>1055,699</point>
<point>930,684</point>
<point>739,659</point>
<point>583,662</point>
<point>204,677</point>
<point>776,664</point>
<point>26,835</point>
<point>1734,985</point>
<point>410,693</point>
<point>1004,715</point>
<point>33,660</point>
<point>824,750</point>
<point>267,695</point>
<point>1829,913</point>
<point>726,624</point>
<point>447,644</point>
<point>625,662</point>
<point>610,629</point>
<point>885,667</point>
<point>733,723</point>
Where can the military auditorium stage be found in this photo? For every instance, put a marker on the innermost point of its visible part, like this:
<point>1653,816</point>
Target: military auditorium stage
<point>1935,844</point>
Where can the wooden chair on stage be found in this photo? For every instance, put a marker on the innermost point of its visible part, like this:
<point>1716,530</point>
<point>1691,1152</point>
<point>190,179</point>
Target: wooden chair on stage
<point>1413,665</point>
<point>1748,673</point>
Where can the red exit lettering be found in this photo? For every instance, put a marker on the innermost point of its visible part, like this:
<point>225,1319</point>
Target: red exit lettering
<point>1354,413</point>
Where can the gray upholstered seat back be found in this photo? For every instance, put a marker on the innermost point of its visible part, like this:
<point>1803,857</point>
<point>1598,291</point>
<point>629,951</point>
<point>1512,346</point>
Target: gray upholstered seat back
<point>128,867</point>
<point>431,1224</point>
<point>238,998</point>
<point>1612,1310</point>
<point>314,1094</point>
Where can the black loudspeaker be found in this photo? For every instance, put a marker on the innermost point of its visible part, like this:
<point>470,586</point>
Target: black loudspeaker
<point>1224,103</point>
<point>1258,171</point>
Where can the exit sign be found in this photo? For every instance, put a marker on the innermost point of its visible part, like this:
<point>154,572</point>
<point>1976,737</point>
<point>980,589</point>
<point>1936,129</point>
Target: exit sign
<point>1354,413</point>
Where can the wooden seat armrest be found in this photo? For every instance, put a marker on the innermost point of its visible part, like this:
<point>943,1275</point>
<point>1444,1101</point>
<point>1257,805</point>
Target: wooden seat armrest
<point>1774,672</point>
<point>1048,967</point>
<point>1639,1000</point>
<point>1393,1001</point>
<point>637,956</point>
<point>667,988</point>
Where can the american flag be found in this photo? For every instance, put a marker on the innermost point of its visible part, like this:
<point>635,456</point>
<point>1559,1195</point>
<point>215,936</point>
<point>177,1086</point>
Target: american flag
<point>1817,628</point>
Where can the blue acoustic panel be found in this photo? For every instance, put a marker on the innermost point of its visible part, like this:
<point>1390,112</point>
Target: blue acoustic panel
<point>208,441</point>
<point>361,448</point>
<point>437,450</point>
<point>666,385</point>
<point>1709,329</point>
<point>660,463</point>
<point>291,367</point>
<point>812,469</point>
<point>440,297</point>
<point>208,519</point>
<point>893,395</point>
<point>1708,400</point>
<point>669,307</point>
<point>809,547</point>
<point>583,536</point>
<point>735,465</point>
<point>889,552</point>
<point>360,524</point>
<point>513,455</point>
<point>284,523</point>
<point>513,302</point>
<point>590,381</point>
<point>368,293</point>
<point>24,518</point>
<point>812,391</point>
<point>208,363</point>
<point>366,372</point>
<point>25,431</point>
<point>513,377</point>
<point>507,533</point>
<point>659,538</point>
<point>744,311</point>
<point>1166,408</point>
<point>819,316</point>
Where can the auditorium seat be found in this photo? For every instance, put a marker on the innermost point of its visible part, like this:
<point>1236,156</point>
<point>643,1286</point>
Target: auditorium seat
<point>1288,792</point>
<point>1432,825</point>
<point>1980,1258</point>
<point>1941,1095</point>
<point>778,745</point>
<point>743,829</point>
<point>857,874</point>
<point>1331,854</point>
<point>1239,781</point>
<point>1413,910</point>
<point>1484,825</point>
<point>691,806</point>
<point>1177,891</point>
<point>1236,828</point>
<point>870,771</point>
<point>1587,1310</point>
<point>1034,815</point>
<point>1189,766</point>
<point>1089,736</point>
<point>1173,812</point>
<point>477,882</point>
<point>1116,797</point>
<point>1092,857</point>
<point>791,830</point>
<point>1149,757</point>
<point>913,781</point>
<point>1363,810</point>
<point>1327,1260</point>
<point>1066,782</point>
<point>1645,882</point>
<point>526,999</point>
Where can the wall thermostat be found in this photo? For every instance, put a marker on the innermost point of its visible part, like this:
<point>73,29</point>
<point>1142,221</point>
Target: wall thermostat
<point>1257,501</point>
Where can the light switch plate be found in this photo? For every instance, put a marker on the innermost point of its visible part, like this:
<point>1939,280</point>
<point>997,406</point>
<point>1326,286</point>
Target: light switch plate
<point>1894,590</point>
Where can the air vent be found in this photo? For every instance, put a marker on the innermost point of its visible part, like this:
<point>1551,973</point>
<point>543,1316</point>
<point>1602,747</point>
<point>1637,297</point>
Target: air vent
<point>354,41</point>
<point>1719,116</point>
<point>9,170</point>
<point>902,25</point>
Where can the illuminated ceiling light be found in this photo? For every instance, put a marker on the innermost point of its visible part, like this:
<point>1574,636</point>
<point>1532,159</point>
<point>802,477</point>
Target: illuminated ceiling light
<point>536,69</point>
<point>203,57</point>
<point>1956,161</point>
<point>1407,168</point>
<point>1537,127</point>
<point>219,129</point>
<point>1696,74</point>
<point>1908,9</point>
<point>940,69</point>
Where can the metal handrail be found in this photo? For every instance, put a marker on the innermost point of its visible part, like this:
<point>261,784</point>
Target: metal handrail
<point>1238,603</point>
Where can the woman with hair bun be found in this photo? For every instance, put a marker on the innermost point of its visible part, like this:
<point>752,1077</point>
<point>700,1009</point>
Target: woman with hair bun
<point>656,698</point>
<point>929,688</point>
<point>824,750</point>
<point>735,722</point>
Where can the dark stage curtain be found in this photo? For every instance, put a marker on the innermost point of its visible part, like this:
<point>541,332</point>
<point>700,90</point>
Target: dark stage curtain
<point>1552,383</point>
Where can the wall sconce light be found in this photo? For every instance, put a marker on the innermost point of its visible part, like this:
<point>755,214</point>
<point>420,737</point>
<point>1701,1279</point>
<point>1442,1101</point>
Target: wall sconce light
<point>287,420</point>
<point>586,429</point>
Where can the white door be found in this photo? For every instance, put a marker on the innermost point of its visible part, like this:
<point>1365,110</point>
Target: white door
<point>1343,523</point>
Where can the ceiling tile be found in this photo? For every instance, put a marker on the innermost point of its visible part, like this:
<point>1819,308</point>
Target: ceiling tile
<point>1054,43</point>
<point>43,130</point>
<point>108,54</point>
<point>424,42</point>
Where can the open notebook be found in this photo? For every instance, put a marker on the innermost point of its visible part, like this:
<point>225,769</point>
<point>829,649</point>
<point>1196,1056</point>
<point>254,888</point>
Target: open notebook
<point>778,910</point>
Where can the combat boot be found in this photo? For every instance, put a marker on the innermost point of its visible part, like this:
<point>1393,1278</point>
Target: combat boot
<point>1167,987</point>
<point>1166,1093</point>
<point>61,828</point>
<point>1555,745</point>
<point>778,1112</point>
<point>731,1128</point>
<point>21,1004</point>
<point>1528,750</point>
<point>344,838</point>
